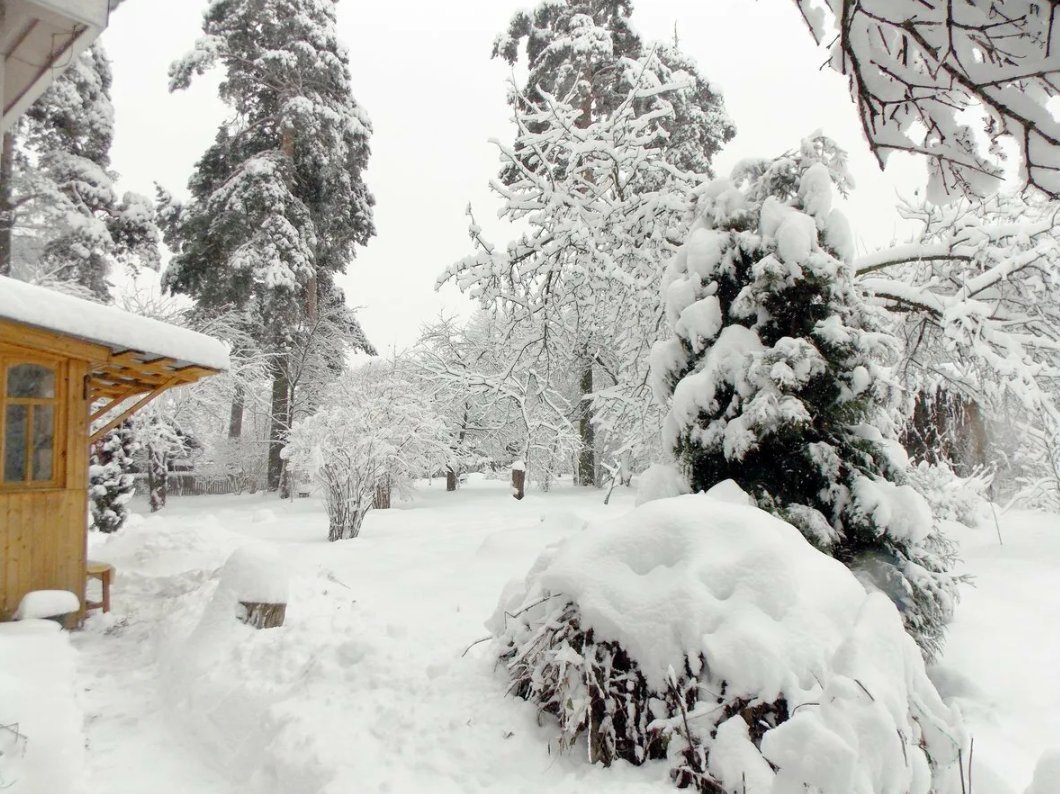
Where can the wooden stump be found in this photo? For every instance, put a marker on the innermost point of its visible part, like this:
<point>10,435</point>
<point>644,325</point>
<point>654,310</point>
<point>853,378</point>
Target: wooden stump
<point>261,615</point>
<point>450,480</point>
<point>518,483</point>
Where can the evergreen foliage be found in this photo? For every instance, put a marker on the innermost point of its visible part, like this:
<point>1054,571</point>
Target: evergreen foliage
<point>278,199</point>
<point>773,378</point>
<point>110,482</point>
<point>278,203</point>
<point>67,220</point>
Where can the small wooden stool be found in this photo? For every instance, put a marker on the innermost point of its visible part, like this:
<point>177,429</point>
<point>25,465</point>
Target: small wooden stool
<point>104,572</point>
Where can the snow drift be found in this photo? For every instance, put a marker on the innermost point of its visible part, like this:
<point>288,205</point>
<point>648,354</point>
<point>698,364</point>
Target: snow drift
<point>42,742</point>
<point>704,630</point>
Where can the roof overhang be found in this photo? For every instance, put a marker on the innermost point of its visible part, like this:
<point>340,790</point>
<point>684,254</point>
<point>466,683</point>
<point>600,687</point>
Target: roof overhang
<point>128,356</point>
<point>38,40</point>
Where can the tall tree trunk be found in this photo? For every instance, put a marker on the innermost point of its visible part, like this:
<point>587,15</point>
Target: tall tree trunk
<point>235,417</point>
<point>587,455</point>
<point>157,478</point>
<point>7,210</point>
<point>280,412</point>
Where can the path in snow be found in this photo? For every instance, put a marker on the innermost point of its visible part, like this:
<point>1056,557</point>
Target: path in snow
<point>364,689</point>
<point>132,744</point>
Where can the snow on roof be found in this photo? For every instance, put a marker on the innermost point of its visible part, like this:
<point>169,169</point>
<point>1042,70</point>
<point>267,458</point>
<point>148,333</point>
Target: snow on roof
<point>119,330</point>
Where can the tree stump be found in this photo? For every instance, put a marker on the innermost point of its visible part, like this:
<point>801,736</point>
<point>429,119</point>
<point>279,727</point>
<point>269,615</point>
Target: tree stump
<point>518,483</point>
<point>450,480</point>
<point>261,615</point>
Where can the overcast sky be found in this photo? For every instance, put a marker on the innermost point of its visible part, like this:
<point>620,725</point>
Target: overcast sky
<point>422,71</point>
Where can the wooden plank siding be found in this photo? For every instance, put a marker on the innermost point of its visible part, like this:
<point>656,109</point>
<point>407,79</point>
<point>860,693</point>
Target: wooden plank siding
<point>42,544</point>
<point>43,530</point>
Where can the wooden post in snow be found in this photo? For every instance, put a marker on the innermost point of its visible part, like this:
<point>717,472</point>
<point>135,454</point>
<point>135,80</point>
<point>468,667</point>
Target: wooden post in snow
<point>518,479</point>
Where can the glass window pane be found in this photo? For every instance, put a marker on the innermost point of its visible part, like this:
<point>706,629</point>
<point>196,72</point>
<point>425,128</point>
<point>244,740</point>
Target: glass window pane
<point>30,380</point>
<point>43,442</point>
<point>15,422</point>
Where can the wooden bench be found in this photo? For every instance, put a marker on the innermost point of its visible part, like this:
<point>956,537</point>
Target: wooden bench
<point>105,573</point>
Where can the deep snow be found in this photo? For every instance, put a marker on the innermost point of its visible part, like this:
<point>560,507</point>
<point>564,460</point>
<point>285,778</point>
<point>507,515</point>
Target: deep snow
<point>367,687</point>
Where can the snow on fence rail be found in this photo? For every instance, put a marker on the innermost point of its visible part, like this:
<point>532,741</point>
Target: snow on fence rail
<point>190,484</point>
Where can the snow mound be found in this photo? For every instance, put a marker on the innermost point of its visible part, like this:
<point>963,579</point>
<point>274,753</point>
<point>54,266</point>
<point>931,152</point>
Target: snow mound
<point>660,481</point>
<point>42,743</point>
<point>47,604</point>
<point>742,602</point>
<point>256,574</point>
<point>1046,774</point>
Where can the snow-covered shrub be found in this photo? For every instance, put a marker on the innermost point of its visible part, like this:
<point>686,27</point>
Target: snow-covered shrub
<point>775,377</point>
<point>703,630</point>
<point>375,427</point>
<point>953,498</point>
<point>110,482</point>
<point>660,481</point>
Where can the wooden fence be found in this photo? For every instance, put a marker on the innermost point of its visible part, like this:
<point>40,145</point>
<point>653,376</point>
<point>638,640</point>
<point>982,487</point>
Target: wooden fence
<point>192,484</point>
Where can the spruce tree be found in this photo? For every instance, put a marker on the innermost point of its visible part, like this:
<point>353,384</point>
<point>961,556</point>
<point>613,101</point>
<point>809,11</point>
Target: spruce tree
<point>278,203</point>
<point>775,378</point>
<point>110,483</point>
<point>63,221</point>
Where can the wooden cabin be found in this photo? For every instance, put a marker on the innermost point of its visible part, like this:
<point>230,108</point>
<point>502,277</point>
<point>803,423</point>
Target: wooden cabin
<point>70,370</point>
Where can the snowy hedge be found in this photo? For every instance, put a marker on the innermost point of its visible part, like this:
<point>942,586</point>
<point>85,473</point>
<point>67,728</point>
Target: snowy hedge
<point>705,631</point>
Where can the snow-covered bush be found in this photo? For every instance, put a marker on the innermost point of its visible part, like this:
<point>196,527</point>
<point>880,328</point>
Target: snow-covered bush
<point>703,630</point>
<point>953,498</point>
<point>660,481</point>
<point>375,428</point>
<point>775,377</point>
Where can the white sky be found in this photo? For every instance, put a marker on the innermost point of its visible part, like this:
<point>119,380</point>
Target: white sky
<point>422,71</point>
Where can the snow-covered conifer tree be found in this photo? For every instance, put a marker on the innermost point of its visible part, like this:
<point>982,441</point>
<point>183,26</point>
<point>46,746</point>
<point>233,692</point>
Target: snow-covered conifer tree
<point>63,219</point>
<point>277,202</point>
<point>110,483</point>
<point>774,377</point>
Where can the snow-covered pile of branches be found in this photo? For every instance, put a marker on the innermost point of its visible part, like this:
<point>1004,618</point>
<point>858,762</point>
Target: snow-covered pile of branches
<point>376,431</point>
<point>705,631</point>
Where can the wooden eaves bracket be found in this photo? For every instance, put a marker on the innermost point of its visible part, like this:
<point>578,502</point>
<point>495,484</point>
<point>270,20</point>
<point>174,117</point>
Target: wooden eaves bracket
<point>121,417</point>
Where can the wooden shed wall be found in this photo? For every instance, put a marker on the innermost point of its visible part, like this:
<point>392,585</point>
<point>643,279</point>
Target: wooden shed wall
<point>43,531</point>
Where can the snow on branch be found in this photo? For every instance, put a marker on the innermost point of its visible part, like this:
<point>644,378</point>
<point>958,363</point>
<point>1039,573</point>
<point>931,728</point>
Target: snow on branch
<point>976,297</point>
<point>952,82</point>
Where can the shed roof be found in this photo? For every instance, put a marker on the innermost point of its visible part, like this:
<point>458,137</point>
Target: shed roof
<point>118,330</point>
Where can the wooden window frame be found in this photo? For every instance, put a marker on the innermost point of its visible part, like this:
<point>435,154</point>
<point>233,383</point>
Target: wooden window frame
<point>57,402</point>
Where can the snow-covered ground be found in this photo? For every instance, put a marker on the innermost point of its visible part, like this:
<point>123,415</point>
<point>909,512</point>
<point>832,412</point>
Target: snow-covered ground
<point>367,687</point>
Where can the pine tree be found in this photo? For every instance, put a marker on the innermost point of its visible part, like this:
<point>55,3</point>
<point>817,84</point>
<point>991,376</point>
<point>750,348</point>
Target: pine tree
<point>63,220</point>
<point>773,378</point>
<point>110,483</point>
<point>277,202</point>
<point>611,138</point>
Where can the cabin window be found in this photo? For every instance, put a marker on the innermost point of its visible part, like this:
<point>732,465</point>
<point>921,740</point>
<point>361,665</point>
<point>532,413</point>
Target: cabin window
<point>28,410</point>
